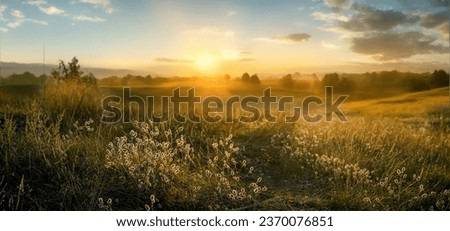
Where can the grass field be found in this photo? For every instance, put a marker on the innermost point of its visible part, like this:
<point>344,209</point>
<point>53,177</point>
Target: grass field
<point>392,154</point>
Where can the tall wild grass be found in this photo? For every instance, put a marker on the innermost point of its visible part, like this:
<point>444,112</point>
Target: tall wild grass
<point>57,156</point>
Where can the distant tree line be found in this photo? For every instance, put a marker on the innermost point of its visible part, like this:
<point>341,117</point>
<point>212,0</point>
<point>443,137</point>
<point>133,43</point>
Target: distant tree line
<point>346,83</point>
<point>386,80</point>
<point>25,78</point>
<point>296,81</point>
<point>70,72</point>
<point>129,80</point>
<point>374,81</point>
<point>254,79</point>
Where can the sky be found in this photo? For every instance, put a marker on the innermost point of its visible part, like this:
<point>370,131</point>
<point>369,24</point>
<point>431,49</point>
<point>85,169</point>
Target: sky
<point>199,37</point>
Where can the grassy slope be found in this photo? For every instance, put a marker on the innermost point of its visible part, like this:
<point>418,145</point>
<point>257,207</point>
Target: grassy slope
<point>356,165</point>
<point>412,104</point>
<point>384,136</point>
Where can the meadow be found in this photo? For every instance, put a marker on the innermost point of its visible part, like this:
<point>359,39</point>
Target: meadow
<point>393,153</point>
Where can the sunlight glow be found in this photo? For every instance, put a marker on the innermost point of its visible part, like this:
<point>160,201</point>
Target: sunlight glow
<point>230,54</point>
<point>206,63</point>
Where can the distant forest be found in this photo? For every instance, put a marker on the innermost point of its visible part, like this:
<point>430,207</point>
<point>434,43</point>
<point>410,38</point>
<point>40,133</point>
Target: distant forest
<point>344,83</point>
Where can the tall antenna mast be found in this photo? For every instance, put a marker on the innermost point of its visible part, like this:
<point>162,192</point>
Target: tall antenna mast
<point>43,57</point>
<point>44,77</point>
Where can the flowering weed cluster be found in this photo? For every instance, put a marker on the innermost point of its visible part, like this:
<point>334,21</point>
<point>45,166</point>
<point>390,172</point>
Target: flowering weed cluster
<point>163,162</point>
<point>367,164</point>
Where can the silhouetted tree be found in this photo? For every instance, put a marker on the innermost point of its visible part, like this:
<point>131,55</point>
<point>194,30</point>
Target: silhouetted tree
<point>25,78</point>
<point>112,80</point>
<point>255,79</point>
<point>287,81</point>
<point>245,77</point>
<point>439,78</point>
<point>70,72</point>
<point>346,85</point>
<point>74,69</point>
<point>418,84</point>
<point>331,79</point>
<point>126,80</point>
<point>139,80</point>
<point>56,75</point>
<point>89,79</point>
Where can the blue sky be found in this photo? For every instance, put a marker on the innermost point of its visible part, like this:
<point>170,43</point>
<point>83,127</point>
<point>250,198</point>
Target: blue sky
<point>216,37</point>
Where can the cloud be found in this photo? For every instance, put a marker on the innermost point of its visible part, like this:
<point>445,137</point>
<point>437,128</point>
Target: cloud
<point>296,37</point>
<point>17,14</point>
<point>327,44</point>
<point>387,34</point>
<point>247,60</point>
<point>83,17</point>
<point>368,18</point>
<point>52,10</point>
<point>444,30</point>
<point>36,2</point>
<point>2,10</point>
<point>292,38</point>
<point>337,5</point>
<point>15,24</point>
<point>329,17</point>
<point>439,3</point>
<point>230,54</point>
<point>45,23</point>
<point>231,13</point>
<point>18,23</point>
<point>169,60</point>
<point>19,19</point>
<point>435,20</point>
<point>210,31</point>
<point>393,46</point>
<point>104,4</point>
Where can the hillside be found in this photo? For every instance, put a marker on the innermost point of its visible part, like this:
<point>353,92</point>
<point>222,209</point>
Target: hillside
<point>411,104</point>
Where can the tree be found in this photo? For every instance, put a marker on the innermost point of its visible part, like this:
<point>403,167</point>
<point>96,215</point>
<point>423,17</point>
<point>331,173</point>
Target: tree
<point>439,78</point>
<point>331,79</point>
<point>89,79</point>
<point>245,77</point>
<point>255,79</point>
<point>56,75</point>
<point>346,85</point>
<point>287,81</point>
<point>70,72</point>
<point>418,84</point>
<point>74,69</point>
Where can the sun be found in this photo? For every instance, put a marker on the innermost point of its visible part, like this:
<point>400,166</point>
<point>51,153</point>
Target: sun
<point>206,63</point>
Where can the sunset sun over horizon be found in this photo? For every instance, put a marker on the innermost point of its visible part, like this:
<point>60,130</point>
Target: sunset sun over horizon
<point>229,37</point>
